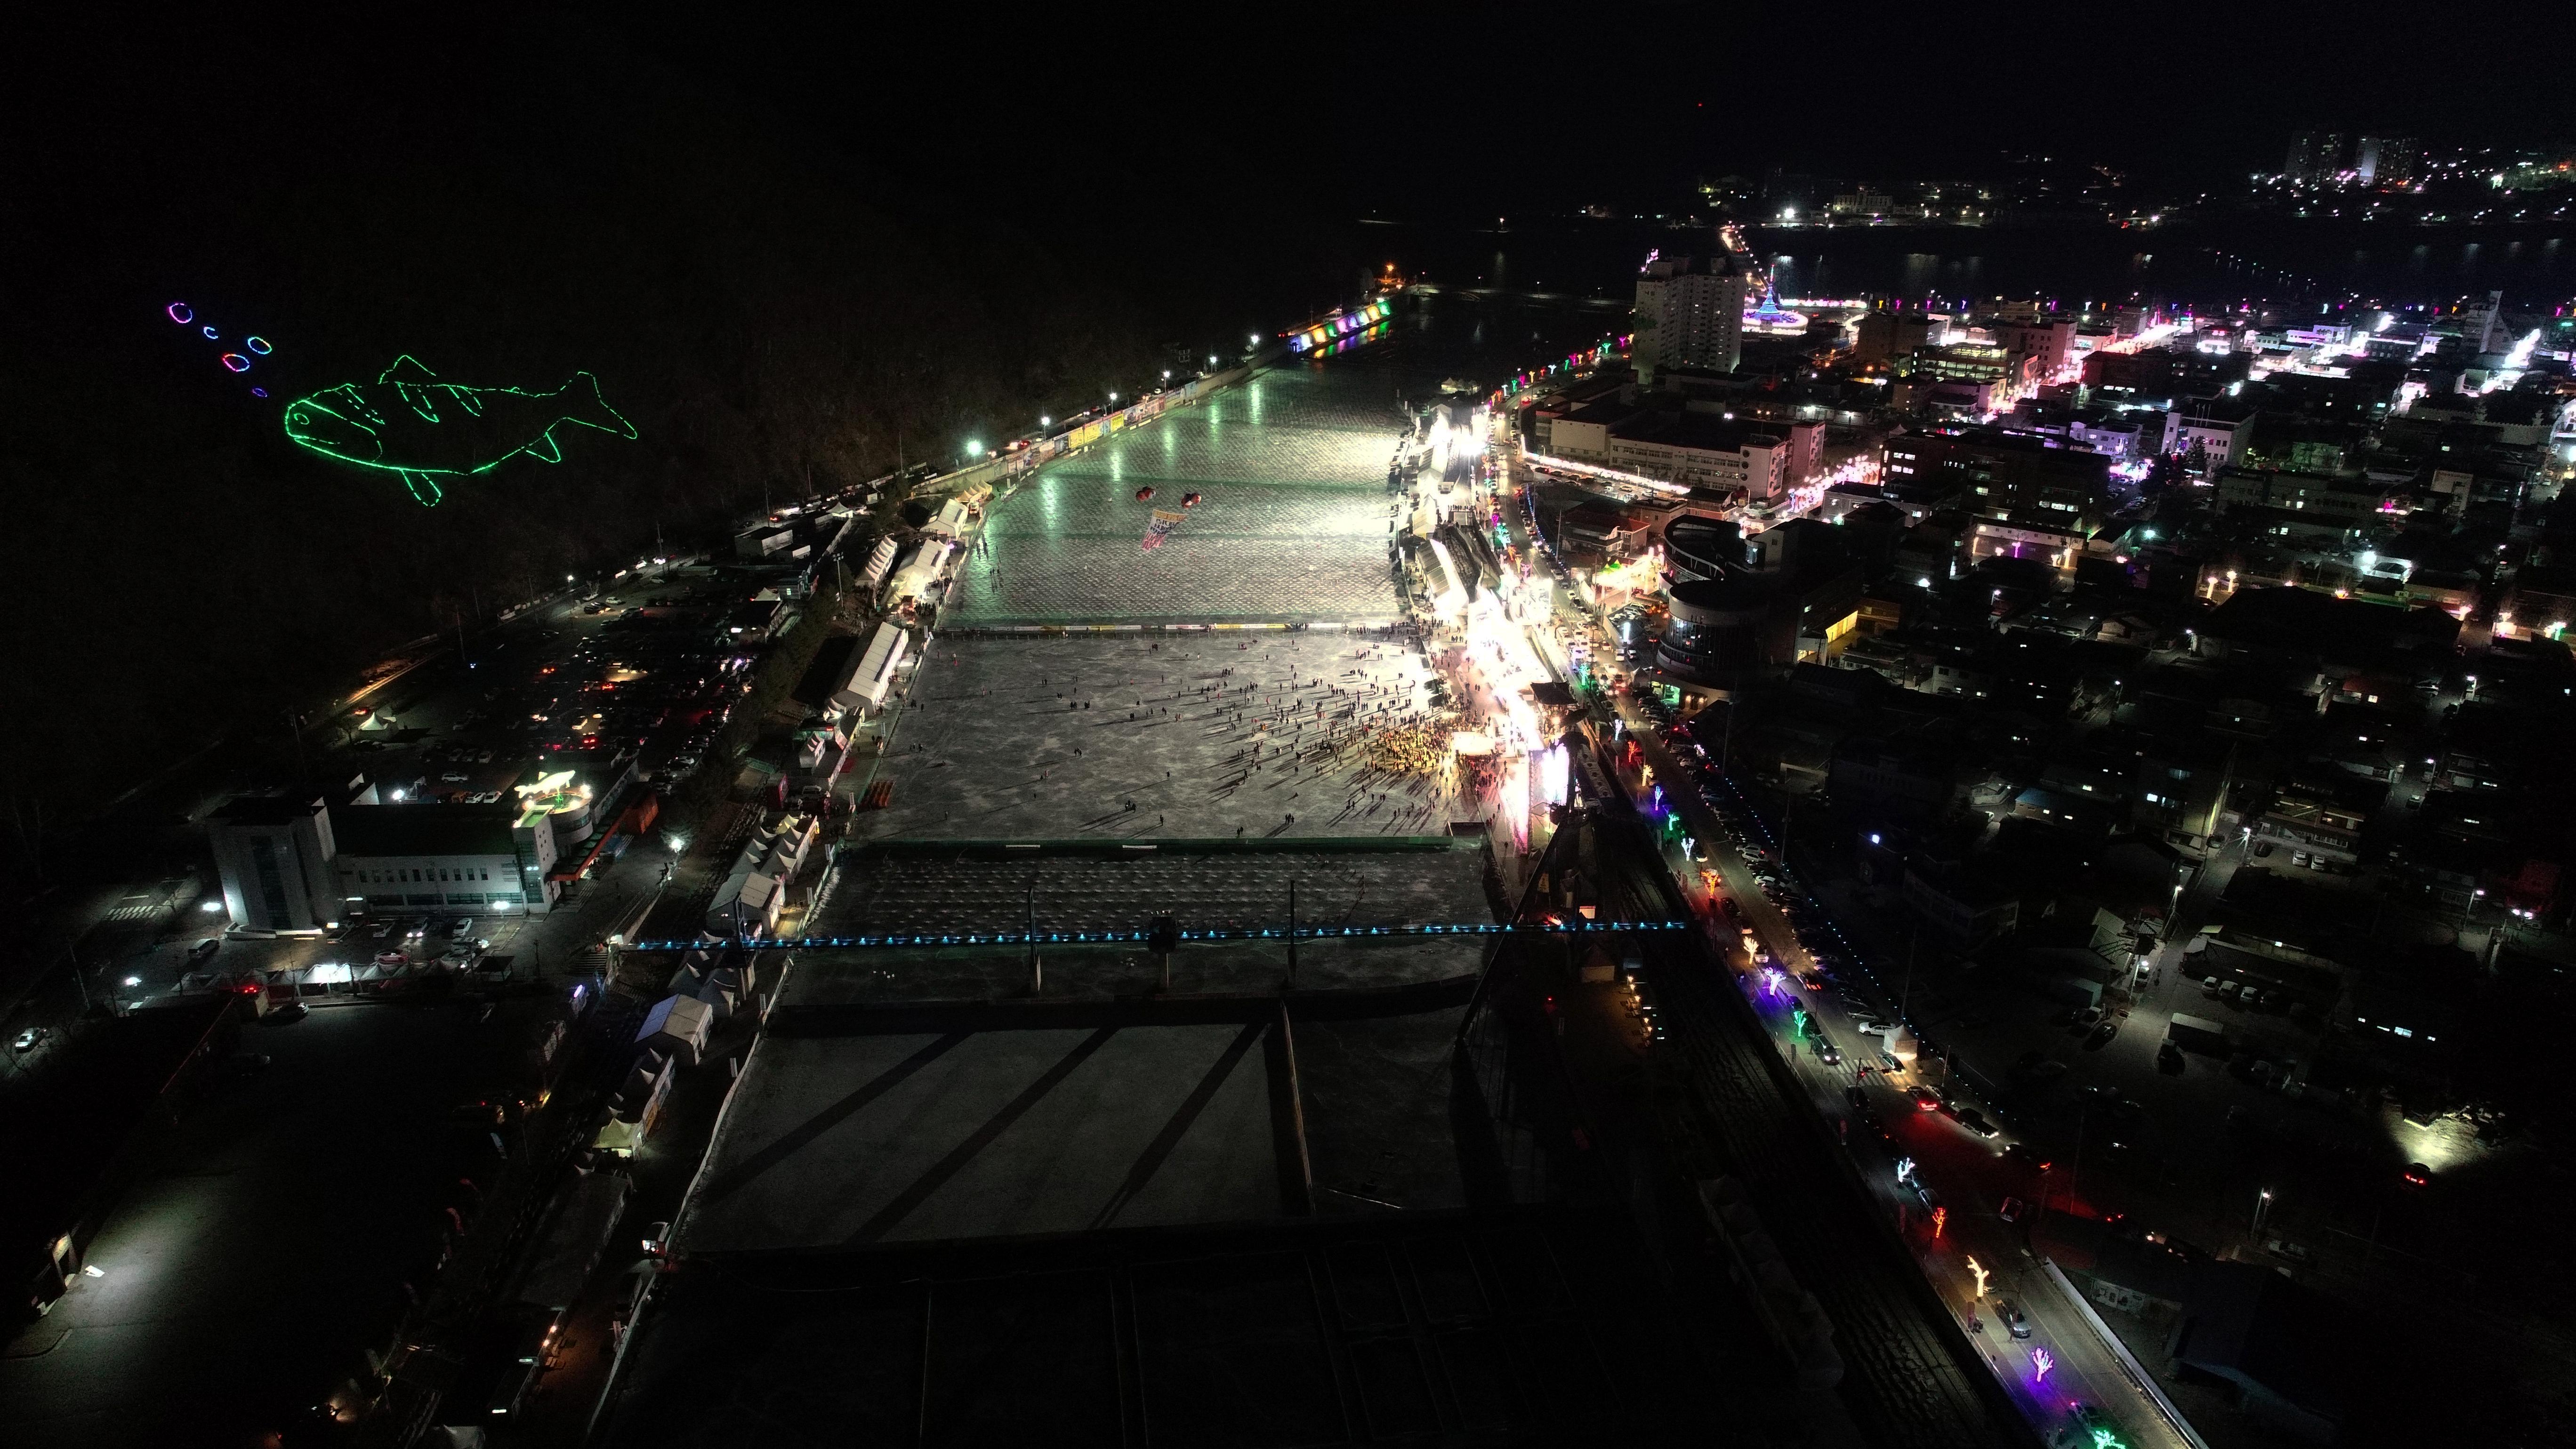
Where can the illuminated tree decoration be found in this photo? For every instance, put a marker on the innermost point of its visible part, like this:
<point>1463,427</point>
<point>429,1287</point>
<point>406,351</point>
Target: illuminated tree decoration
<point>408,423</point>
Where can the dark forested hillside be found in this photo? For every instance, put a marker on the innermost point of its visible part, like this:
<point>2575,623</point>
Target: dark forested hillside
<point>779,301</point>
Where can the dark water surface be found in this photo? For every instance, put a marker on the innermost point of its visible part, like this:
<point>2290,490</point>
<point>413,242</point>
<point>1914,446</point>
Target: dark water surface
<point>2227,260</point>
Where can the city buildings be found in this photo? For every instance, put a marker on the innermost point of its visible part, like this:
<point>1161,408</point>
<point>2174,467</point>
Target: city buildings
<point>1690,312</point>
<point>397,859</point>
<point>274,854</point>
<point>2030,494</point>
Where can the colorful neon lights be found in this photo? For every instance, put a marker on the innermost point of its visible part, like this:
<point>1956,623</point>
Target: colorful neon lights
<point>232,362</point>
<point>1340,325</point>
<point>409,424</point>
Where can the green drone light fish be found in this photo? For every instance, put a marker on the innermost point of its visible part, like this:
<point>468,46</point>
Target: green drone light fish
<point>409,423</point>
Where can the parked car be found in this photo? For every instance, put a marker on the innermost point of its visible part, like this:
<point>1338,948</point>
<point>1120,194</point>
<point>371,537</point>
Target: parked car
<point>291,1011</point>
<point>2013,1320</point>
<point>1975,1121</point>
<point>31,1038</point>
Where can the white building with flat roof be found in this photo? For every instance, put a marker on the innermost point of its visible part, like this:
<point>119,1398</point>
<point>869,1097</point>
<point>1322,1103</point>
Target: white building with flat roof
<point>480,858</point>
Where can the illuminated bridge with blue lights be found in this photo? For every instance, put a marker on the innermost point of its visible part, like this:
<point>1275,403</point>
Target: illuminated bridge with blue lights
<point>1271,933</point>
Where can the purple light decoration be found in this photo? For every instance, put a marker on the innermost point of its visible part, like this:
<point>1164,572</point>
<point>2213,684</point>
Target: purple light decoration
<point>181,313</point>
<point>259,392</point>
<point>236,362</point>
<point>2040,1364</point>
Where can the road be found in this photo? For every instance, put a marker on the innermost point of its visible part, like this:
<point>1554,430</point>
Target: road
<point>1970,1174</point>
<point>1909,1371</point>
<point>1910,1375</point>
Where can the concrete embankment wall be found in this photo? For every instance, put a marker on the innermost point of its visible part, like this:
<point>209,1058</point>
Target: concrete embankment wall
<point>996,471</point>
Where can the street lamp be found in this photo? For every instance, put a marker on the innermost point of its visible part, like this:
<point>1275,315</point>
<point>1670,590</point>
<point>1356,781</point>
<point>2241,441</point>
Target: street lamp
<point>2262,1208</point>
<point>1113,397</point>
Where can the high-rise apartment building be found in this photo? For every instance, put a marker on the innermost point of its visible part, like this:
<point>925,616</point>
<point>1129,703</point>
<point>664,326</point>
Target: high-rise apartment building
<point>1690,312</point>
<point>2315,155</point>
<point>2387,160</point>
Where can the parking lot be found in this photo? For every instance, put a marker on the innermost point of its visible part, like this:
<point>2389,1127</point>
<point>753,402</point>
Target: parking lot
<point>641,667</point>
<point>269,1236</point>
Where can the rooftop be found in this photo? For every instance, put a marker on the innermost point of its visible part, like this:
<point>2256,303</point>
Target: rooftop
<point>381,830</point>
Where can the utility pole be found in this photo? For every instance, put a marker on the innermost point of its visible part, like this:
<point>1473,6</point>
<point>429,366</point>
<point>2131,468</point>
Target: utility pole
<point>1292,932</point>
<point>1037,969</point>
<point>1905,992</point>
